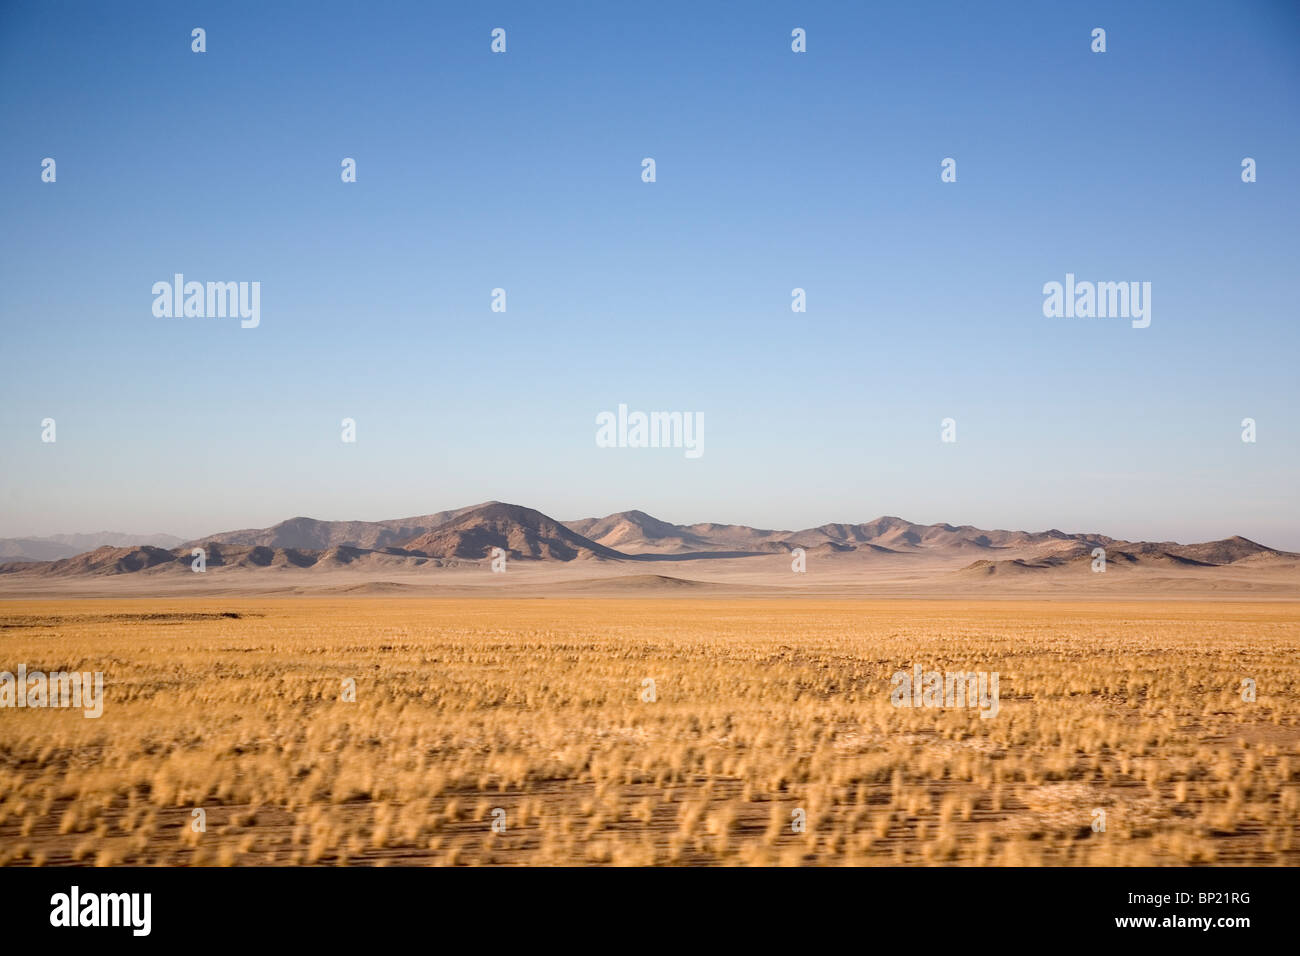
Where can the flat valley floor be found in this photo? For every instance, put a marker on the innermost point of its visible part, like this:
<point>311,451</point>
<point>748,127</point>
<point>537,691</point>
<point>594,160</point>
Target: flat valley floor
<point>656,730</point>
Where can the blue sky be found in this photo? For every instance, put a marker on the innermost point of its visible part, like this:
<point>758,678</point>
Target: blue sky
<point>775,170</point>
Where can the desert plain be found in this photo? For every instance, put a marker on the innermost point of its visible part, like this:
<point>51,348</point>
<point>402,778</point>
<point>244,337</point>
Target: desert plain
<point>520,729</point>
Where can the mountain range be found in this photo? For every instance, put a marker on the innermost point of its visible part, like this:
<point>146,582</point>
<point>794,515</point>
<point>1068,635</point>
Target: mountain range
<point>467,536</point>
<point>55,546</point>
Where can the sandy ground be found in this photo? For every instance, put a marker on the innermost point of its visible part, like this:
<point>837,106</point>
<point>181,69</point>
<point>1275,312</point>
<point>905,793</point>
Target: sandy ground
<point>846,575</point>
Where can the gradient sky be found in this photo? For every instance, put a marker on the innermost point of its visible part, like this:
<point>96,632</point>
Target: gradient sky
<point>775,170</point>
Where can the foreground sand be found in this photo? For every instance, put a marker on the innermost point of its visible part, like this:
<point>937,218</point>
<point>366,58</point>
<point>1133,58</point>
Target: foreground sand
<point>764,707</point>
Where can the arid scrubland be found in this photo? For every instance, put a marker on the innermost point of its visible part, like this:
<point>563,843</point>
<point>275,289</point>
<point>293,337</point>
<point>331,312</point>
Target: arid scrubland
<point>534,715</point>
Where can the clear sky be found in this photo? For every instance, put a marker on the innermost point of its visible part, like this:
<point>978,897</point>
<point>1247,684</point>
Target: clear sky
<point>775,170</point>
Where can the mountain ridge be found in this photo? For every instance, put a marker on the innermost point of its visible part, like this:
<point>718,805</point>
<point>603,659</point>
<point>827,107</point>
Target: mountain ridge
<point>54,546</point>
<point>469,535</point>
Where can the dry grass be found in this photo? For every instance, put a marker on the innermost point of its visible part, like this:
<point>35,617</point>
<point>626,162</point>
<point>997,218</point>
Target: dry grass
<point>534,707</point>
